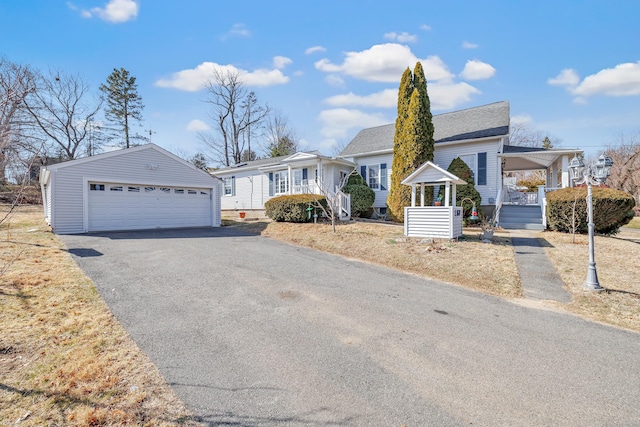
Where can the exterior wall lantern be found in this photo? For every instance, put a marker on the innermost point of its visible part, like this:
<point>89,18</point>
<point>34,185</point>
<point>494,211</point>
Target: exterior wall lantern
<point>594,175</point>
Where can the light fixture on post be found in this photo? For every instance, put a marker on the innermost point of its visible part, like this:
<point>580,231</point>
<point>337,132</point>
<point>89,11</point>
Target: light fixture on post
<point>594,175</point>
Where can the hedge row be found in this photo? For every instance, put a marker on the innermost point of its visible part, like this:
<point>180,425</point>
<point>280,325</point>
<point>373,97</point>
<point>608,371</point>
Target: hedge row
<point>293,208</point>
<point>611,209</point>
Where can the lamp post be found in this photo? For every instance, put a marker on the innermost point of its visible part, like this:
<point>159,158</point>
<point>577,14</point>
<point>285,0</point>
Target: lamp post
<point>594,175</point>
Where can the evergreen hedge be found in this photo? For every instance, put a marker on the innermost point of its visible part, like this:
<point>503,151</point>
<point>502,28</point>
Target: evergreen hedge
<point>611,209</point>
<point>362,198</point>
<point>460,169</point>
<point>292,208</point>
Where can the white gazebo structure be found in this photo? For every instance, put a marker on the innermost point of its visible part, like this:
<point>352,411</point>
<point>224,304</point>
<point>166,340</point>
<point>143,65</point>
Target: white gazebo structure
<point>422,220</point>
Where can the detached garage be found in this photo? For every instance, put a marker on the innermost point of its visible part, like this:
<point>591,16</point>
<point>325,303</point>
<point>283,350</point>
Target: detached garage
<point>138,188</point>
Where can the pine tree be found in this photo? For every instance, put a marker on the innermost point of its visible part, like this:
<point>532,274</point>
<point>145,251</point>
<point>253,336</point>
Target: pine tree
<point>460,169</point>
<point>420,83</point>
<point>123,103</point>
<point>413,139</point>
<point>396,192</point>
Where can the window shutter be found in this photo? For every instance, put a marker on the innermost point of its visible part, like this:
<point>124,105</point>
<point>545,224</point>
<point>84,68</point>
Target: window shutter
<point>383,176</point>
<point>363,172</point>
<point>233,185</point>
<point>482,169</point>
<point>271,189</point>
<point>304,174</point>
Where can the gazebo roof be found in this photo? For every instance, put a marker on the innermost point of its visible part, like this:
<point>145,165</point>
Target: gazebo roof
<point>432,174</point>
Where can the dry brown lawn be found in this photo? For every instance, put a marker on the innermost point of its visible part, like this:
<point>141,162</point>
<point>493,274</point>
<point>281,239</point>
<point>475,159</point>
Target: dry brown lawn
<point>64,359</point>
<point>618,266</point>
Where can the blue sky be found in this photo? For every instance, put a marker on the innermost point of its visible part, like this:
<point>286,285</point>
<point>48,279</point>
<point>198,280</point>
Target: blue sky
<point>569,68</point>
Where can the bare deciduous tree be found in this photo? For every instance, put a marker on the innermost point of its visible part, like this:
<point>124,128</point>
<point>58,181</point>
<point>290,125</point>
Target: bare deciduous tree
<point>65,115</point>
<point>237,115</point>
<point>625,172</point>
<point>16,83</point>
<point>281,138</point>
<point>333,197</point>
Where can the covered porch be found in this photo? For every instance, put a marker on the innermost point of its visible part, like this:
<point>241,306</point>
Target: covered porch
<point>518,206</point>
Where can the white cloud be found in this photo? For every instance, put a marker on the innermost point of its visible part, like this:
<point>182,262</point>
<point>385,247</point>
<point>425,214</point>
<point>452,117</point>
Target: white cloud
<point>334,80</point>
<point>622,80</point>
<point>280,62</point>
<point>425,27</point>
<point>385,63</point>
<point>198,126</point>
<point>448,95</point>
<point>194,79</point>
<point>315,49</point>
<point>336,123</point>
<point>403,37</point>
<point>567,77</point>
<point>469,45</point>
<point>115,11</point>
<point>477,70</point>
<point>385,99</point>
<point>237,30</point>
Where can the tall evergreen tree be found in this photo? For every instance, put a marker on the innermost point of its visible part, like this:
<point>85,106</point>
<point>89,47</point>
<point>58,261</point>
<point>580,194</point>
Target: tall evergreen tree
<point>413,139</point>
<point>420,83</point>
<point>123,104</point>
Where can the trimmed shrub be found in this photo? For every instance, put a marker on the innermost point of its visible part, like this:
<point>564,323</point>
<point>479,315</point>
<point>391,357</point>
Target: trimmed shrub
<point>611,209</point>
<point>460,169</point>
<point>362,198</point>
<point>356,179</point>
<point>531,184</point>
<point>292,208</point>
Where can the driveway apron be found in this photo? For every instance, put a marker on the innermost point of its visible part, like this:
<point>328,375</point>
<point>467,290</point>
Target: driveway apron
<point>253,332</point>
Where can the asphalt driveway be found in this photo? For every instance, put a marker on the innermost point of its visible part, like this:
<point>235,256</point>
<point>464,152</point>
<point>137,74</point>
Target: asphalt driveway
<point>253,332</point>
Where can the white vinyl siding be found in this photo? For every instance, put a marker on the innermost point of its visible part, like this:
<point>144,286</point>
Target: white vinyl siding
<point>444,154</point>
<point>366,161</point>
<point>138,166</point>
<point>433,221</point>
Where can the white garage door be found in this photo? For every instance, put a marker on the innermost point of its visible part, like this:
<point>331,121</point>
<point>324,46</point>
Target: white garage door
<point>136,207</point>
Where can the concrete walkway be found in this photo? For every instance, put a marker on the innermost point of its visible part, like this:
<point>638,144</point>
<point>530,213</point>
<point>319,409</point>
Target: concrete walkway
<point>539,277</point>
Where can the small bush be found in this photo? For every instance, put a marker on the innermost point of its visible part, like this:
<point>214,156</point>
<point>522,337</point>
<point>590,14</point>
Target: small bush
<point>355,179</point>
<point>362,198</point>
<point>611,209</point>
<point>531,184</point>
<point>292,208</point>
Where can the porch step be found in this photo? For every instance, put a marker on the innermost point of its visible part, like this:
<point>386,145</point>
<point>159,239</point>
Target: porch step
<point>515,217</point>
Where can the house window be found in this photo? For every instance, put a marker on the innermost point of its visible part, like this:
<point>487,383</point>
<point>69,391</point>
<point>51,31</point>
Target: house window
<point>133,189</point>
<point>96,187</point>
<point>149,189</point>
<point>165,189</point>
<point>375,176</point>
<point>470,160</point>
<point>229,186</point>
<point>281,182</point>
<point>297,177</point>
<point>116,188</point>
<point>192,192</point>
<point>179,190</point>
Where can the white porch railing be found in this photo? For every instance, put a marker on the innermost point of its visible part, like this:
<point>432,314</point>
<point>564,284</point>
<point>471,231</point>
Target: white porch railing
<point>344,206</point>
<point>307,188</point>
<point>513,196</point>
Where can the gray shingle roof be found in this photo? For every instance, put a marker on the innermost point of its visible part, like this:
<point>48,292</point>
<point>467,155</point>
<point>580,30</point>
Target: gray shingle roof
<point>263,162</point>
<point>478,122</point>
<point>519,149</point>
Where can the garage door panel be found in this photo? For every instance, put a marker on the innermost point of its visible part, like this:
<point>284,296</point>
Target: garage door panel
<point>147,207</point>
